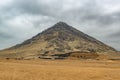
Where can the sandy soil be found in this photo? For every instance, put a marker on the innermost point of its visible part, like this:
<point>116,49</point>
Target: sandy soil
<point>59,70</point>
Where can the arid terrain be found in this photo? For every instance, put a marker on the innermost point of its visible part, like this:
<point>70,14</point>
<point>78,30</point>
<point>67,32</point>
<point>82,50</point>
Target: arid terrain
<point>59,70</point>
<point>59,39</point>
<point>61,52</point>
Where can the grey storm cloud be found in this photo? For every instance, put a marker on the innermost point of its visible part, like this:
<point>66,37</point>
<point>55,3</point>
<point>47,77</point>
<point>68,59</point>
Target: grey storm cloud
<point>22,19</point>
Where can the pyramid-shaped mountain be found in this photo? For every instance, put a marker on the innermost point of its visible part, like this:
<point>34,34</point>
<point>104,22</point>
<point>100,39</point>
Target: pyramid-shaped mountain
<point>59,39</point>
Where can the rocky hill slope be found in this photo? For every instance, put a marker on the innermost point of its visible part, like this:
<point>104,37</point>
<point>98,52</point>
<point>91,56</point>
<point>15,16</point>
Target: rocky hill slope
<point>58,39</point>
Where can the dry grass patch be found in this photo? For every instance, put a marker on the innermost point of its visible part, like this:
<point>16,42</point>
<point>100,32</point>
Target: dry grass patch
<point>59,70</point>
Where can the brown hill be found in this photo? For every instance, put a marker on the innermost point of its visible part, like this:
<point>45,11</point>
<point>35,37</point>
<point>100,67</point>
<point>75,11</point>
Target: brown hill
<point>59,39</point>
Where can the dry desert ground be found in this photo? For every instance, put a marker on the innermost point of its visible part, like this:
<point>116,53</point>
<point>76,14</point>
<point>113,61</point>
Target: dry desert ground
<point>59,70</point>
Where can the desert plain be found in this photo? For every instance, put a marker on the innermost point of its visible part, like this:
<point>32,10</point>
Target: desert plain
<point>59,70</point>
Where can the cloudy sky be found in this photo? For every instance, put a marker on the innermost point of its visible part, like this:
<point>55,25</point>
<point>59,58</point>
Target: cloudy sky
<point>22,19</point>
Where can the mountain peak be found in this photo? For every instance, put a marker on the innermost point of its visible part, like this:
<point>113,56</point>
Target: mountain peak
<point>61,24</point>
